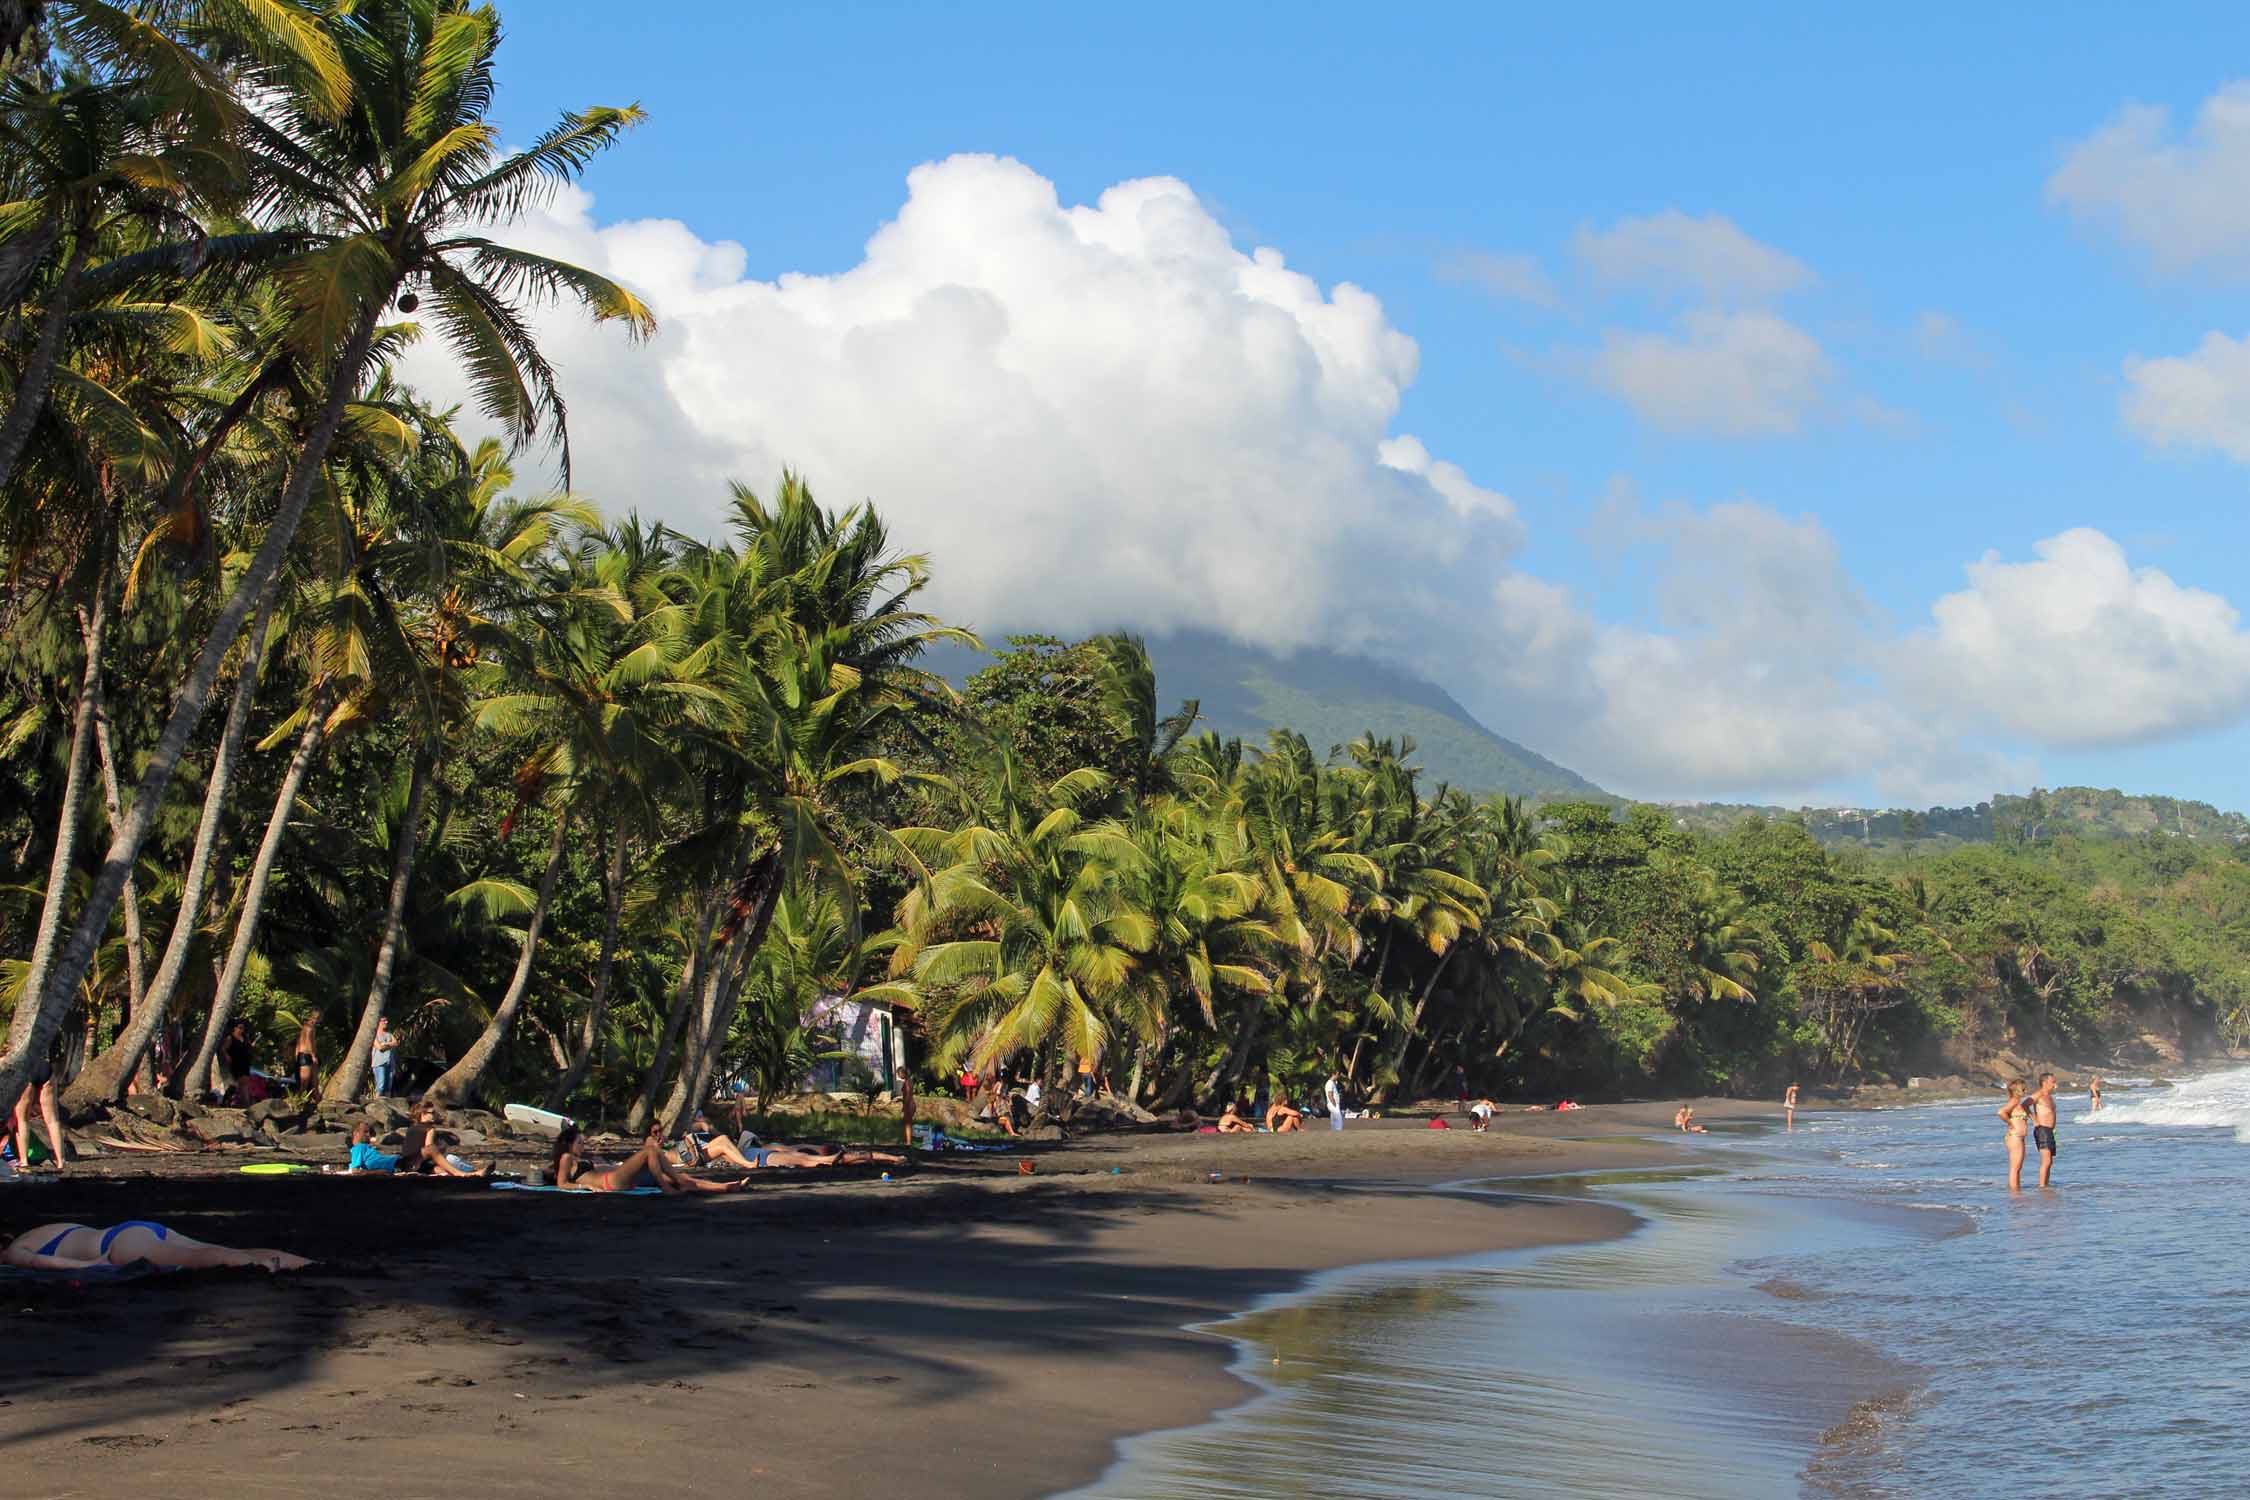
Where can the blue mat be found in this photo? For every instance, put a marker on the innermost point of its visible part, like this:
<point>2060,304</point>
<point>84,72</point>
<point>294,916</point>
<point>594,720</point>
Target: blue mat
<point>93,1274</point>
<point>948,1143</point>
<point>535,1187</point>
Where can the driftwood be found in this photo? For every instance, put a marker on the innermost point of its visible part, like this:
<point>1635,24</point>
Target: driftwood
<point>117,1145</point>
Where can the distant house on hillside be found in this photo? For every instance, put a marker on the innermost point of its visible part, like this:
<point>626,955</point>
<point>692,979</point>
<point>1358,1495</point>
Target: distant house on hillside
<point>865,1032</point>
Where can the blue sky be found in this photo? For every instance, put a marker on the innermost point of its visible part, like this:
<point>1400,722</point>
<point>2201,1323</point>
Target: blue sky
<point>1954,323</point>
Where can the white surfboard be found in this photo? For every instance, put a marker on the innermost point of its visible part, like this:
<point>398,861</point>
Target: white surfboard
<point>536,1119</point>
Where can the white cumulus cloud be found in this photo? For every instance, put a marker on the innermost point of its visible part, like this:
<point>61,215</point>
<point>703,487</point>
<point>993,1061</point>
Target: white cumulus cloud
<point>1732,374</point>
<point>1106,414</point>
<point>1090,415</point>
<point>2196,400</point>
<point>2081,648</point>
<point>1752,677</point>
<point>2184,200</point>
<point>1677,252</point>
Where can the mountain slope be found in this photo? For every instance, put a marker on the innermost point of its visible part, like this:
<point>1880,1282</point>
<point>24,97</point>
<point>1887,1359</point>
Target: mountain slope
<point>1332,699</point>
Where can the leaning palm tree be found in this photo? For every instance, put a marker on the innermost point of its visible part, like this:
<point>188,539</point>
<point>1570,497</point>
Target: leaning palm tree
<point>381,206</point>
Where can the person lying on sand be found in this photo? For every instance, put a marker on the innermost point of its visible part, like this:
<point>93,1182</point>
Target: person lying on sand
<point>816,1156</point>
<point>1281,1119</point>
<point>651,1166</point>
<point>1685,1120</point>
<point>364,1157</point>
<point>1232,1123</point>
<point>701,1146</point>
<point>1483,1109</point>
<point>80,1247</point>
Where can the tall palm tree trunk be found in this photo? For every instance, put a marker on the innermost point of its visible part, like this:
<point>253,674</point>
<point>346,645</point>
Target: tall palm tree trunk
<point>65,854</point>
<point>351,1073</point>
<point>691,981</point>
<point>1414,1017</point>
<point>136,956</point>
<point>103,1079</point>
<point>254,896</point>
<point>589,1035</point>
<point>41,1010</point>
<point>456,1082</point>
<point>697,1063</point>
<point>39,371</point>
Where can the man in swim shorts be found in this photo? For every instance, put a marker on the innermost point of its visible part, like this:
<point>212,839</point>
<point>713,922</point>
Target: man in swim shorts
<point>2042,1102</point>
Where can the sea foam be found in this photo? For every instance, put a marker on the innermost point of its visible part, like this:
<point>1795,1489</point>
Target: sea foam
<point>2219,1102</point>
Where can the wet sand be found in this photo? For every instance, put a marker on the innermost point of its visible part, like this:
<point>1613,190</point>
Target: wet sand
<point>964,1330</point>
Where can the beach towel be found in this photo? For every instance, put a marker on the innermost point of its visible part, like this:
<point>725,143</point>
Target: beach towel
<point>944,1142</point>
<point>274,1168</point>
<point>91,1274</point>
<point>540,1187</point>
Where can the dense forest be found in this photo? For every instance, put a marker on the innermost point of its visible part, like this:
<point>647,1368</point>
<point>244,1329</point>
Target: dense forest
<point>309,706</point>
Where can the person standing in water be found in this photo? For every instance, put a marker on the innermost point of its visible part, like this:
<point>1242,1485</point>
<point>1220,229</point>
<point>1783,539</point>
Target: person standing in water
<point>2094,1096</point>
<point>1333,1090</point>
<point>1789,1107</point>
<point>2017,1116</point>
<point>2042,1104</point>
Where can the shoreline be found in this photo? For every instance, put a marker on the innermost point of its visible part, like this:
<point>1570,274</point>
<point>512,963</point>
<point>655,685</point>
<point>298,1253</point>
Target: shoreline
<point>964,1331</point>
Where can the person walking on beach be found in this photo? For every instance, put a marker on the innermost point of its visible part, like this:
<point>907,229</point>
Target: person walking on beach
<point>1789,1107</point>
<point>37,1101</point>
<point>1334,1091</point>
<point>2042,1102</point>
<point>2017,1116</point>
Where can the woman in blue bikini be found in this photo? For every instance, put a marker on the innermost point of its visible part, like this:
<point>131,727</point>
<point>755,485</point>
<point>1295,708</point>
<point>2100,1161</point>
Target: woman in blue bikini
<point>80,1247</point>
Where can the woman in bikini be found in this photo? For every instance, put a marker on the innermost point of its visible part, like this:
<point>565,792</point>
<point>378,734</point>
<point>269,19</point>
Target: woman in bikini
<point>648,1167</point>
<point>308,1055</point>
<point>81,1247</point>
<point>1232,1123</point>
<point>2017,1115</point>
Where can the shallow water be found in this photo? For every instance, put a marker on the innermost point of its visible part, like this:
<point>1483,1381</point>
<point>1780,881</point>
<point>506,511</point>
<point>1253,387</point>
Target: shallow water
<point>2090,1340</point>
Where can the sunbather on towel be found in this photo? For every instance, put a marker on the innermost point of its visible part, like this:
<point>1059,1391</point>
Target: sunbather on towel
<point>1232,1123</point>
<point>81,1247</point>
<point>817,1156</point>
<point>701,1146</point>
<point>651,1166</point>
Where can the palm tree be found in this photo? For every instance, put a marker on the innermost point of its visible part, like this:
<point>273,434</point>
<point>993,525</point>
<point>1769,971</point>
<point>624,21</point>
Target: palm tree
<point>644,688</point>
<point>806,627</point>
<point>460,588</point>
<point>385,197</point>
<point>1024,932</point>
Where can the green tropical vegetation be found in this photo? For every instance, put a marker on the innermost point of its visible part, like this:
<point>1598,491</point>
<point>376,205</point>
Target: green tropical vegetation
<point>310,703</point>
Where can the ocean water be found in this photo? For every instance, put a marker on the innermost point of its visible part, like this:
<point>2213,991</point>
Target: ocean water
<point>1856,1308</point>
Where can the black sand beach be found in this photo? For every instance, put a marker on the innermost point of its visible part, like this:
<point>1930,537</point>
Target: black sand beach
<point>962,1330</point>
